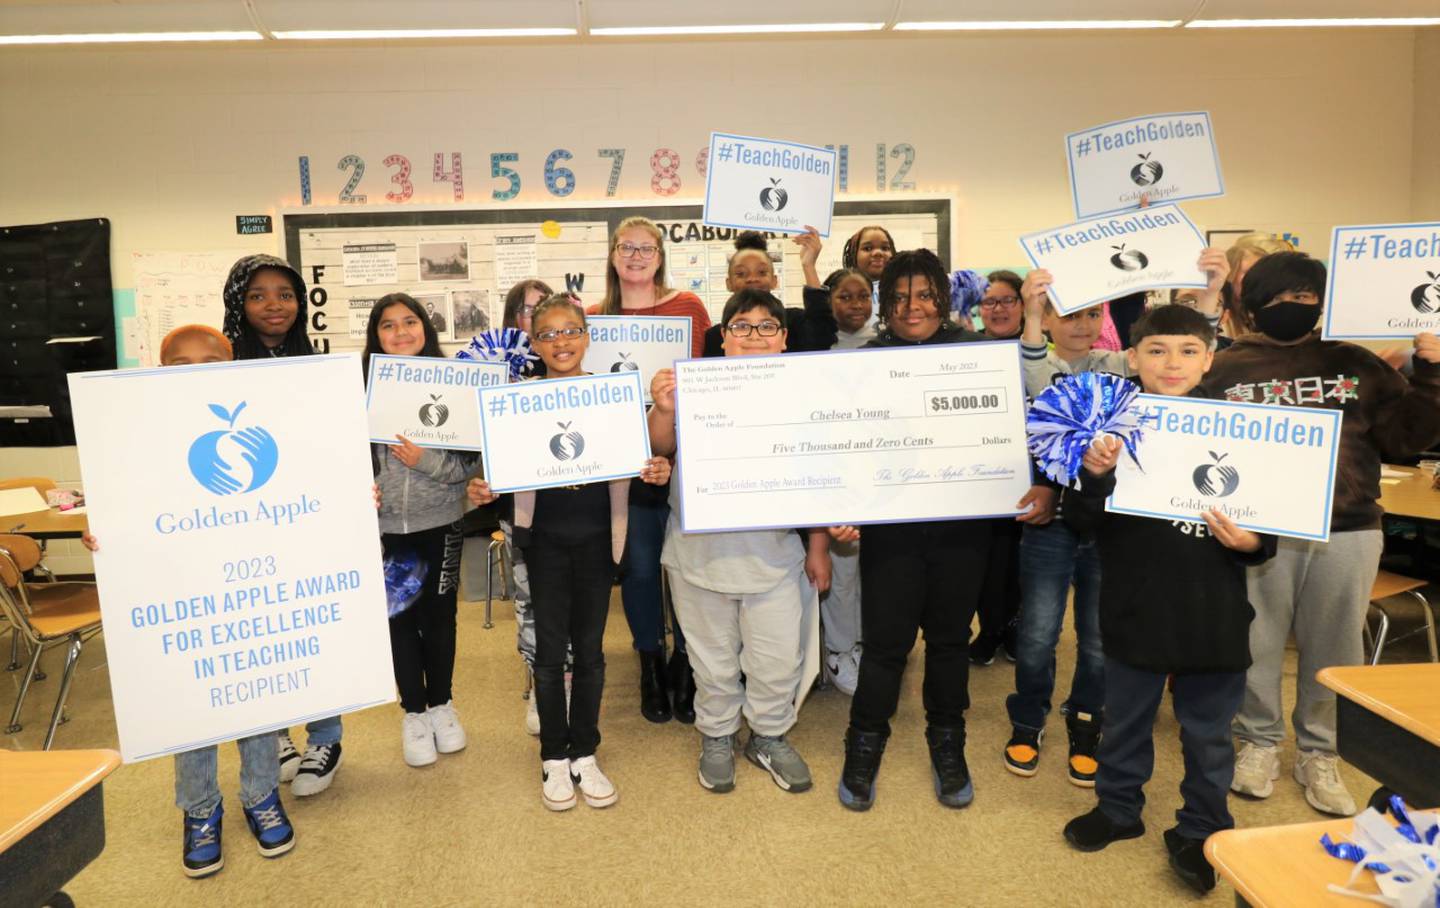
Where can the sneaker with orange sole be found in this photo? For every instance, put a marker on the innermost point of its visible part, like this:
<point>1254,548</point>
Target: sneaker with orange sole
<point>1084,729</point>
<point>1022,754</point>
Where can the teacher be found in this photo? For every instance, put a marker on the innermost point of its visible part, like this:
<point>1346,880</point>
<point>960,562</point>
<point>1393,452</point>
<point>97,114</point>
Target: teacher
<point>635,285</point>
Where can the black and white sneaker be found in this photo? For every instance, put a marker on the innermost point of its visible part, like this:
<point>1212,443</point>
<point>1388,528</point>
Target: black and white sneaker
<point>317,769</point>
<point>289,757</point>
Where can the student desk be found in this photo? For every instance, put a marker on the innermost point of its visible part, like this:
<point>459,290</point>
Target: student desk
<point>1411,497</point>
<point>52,819</point>
<point>1284,866</point>
<point>47,524</point>
<point>1387,724</point>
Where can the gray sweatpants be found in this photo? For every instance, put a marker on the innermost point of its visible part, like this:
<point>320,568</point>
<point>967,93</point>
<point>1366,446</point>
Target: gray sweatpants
<point>840,609</point>
<point>1321,592</point>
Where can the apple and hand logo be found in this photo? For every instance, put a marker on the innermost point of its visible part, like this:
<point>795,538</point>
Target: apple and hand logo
<point>1426,297</point>
<point>1129,259</point>
<point>434,413</point>
<point>1147,172</point>
<point>229,460</point>
<point>1216,479</point>
<point>772,197</point>
<point>566,444</point>
<point>624,364</point>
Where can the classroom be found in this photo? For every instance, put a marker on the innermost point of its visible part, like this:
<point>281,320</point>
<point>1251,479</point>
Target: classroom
<point>797,454</point>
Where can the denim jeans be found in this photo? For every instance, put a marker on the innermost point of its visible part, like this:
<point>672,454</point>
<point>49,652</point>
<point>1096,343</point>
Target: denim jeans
<point>197,785</point>
<point>322,731</point>
<point>1052,557</point>
<point>640,589</point>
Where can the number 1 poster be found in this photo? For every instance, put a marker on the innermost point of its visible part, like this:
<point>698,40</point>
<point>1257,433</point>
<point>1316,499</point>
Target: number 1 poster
<point>239,566</point>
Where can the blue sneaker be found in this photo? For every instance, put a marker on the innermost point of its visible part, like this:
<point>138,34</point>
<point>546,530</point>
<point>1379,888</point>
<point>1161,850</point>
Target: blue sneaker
<point>270,826</point>
<point>201,855</point>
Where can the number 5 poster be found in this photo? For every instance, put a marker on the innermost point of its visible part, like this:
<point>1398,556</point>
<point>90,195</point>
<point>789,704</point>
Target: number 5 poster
<point>239,566</point>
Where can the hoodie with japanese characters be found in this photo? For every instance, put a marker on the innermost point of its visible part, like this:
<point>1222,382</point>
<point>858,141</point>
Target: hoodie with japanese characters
<point>1385,416</point>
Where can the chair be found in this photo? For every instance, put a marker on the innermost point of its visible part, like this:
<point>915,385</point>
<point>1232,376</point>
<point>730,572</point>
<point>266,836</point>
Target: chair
<point>41,484</point>
<point>48,615</point>
<point>497,546</point>
<point>1386,586</point>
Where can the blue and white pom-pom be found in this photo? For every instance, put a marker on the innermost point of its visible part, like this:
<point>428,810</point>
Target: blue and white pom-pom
<point>501,345</point>
<point>1069,415</point>
<point>1404,858</point>
<point>967,288</point>
<point>404,579</point>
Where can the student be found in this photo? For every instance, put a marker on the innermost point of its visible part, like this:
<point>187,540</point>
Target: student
<point>1053,558</point>
<point>1172,602</point>
<point>918,576</point>
<point>1237,321</point>
<point>573,537</point>
<point>742,596</point>
<point>869,249</point>
<point>1000,309</point>
<point>1317,590</point>
<point>847,291</point>
<point>197,787</point>
<point>265,315</point>
<point>809,329</point>
<point>422,506</point>
<point>520,303</point>
<point>635,285</point>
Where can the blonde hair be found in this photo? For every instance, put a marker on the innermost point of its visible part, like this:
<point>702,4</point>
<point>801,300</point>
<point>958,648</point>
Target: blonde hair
<point>611,304</point>
<point>1261,244</point>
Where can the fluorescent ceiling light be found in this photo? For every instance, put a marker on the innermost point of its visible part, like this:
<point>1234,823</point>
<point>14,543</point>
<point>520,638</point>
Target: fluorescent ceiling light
<point>1033,25</point>
<point>1309,23</point>
<point>130,38</point>
<point>757,29</point>
<point>376,34</point>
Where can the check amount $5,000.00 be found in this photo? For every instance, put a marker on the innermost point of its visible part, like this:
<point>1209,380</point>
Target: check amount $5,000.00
<point>851,437</point>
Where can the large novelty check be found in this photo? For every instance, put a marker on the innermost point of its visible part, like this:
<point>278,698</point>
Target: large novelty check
<point>851,437</point>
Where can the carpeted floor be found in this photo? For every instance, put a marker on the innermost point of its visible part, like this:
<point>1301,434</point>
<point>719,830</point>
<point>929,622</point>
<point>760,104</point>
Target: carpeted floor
<point>471,830</point>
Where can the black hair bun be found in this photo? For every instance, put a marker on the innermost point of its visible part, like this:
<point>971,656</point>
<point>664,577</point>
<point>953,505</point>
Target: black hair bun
<point>751,239</point>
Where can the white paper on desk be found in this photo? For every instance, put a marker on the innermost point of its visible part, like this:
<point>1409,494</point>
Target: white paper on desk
<point>1387,473</point>
<point>21,501</point>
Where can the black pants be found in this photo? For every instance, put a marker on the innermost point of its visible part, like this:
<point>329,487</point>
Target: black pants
<point>570,596</point>
<point>1000,591</point>
<point>1204,705</point>
<point>422,638</point>
<point>916,576</point>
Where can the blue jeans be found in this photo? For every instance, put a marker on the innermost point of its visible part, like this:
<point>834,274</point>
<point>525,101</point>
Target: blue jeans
<point>1052,557</point>
<point>640,589</point>
<point>321,732</point>
<point>197,786</point>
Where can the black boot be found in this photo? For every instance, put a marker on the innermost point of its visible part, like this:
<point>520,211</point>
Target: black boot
<point>1187,859</point>
<point>654,698</point>
<point>947,760</point>
<point>682,687</point>
<point>863,750</point>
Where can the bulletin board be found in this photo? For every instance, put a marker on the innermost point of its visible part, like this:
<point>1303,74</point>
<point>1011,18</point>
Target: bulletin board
<point>458,262</point>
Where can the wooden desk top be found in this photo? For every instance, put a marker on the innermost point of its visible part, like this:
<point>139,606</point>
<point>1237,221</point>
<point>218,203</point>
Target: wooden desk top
<point>1284,866</point>
<point>47,524</point>
<point>36,784</point>
<point>1403,694</point>
<point>1410,497</point>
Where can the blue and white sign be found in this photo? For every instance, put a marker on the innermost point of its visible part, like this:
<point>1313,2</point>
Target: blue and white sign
<point>564,431</point>
<point>762,184</point>
<point>1099,259</point>
<point>850,437</point>
<point>1384,282</point>
<point>239,566</point>
<point>636,343</point>
<point>429,400</point>
<point>1165,157</point>
<point>1270,469</point>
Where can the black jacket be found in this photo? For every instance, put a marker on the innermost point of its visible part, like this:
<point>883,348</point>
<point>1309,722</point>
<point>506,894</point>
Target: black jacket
<point>949,333</point>
<point>1172,598</point>
<point>806,330</point>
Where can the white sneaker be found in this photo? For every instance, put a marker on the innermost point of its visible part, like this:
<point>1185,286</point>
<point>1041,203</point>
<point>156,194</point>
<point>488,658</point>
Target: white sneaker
<point>1319,773</point>
<point>532,713</point>
<point>598,790</point>
<point>449,733</point>
<point>289,758</point>
<point>418,739</point>
<point>1256,770</point>
<point>557,788</point>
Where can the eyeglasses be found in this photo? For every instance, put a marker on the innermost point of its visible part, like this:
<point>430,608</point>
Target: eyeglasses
<point>743,329</point>
<point>1006,301</point>
<point>630,251</point>
<point>555,334</point>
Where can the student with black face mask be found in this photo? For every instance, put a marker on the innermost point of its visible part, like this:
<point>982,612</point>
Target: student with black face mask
<point>1318,589</point>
